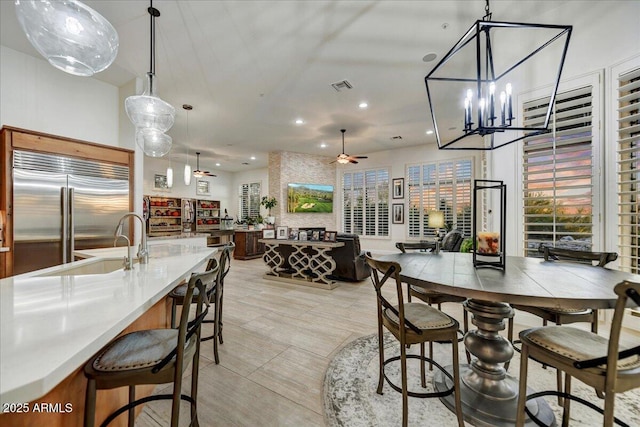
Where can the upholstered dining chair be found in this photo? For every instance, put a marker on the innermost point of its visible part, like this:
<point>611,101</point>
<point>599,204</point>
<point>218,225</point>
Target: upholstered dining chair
<point>214,291</point>
<point>429,296</point>
<point>564,316</point>
<point>586,356</point>
<point>411,323</point>
<point>155,356</point>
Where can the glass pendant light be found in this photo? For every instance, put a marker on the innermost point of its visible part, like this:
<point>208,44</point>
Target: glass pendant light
<point>169,176</point>
<point>70,35</point>
<point>187,167</point>
<point>153,142</point>
<point>151,115</point>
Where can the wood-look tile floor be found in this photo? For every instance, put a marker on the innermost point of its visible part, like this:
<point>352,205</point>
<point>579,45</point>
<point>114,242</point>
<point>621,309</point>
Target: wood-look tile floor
<point>278,341</point>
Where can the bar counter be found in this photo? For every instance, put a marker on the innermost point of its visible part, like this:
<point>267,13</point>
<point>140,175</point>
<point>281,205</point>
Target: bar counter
<point>53,320</point>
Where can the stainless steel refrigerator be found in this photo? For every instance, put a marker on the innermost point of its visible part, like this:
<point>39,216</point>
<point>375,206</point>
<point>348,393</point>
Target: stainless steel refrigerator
<point>62,204</point>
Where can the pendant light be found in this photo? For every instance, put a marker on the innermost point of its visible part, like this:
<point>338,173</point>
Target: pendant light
<point>187,167</point>
<point>151,115</point>
<point>73,37</point>
<point>477,78</point>
<point>169,175</point>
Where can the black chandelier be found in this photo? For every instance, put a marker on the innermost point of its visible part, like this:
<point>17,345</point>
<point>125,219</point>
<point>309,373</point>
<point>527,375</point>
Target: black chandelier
<point>471,90</point>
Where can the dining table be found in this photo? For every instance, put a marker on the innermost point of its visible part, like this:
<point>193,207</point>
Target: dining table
<point>489,394</point>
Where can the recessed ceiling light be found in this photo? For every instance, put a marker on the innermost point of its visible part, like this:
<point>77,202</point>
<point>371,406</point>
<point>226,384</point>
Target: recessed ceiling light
<point>299,121</point>
<point>323,145</point>
<point>217,164</point>
<point>253,157</point>
<point>429,132</point>
<point>363,105</point>
<point>429,57</point>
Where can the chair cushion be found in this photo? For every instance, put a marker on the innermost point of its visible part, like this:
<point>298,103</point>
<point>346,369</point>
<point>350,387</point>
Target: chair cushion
<point>574,344</point>
<point>181,291</point>
<point>140,349</point>
<point>568,310</point>
<point>422,316</point>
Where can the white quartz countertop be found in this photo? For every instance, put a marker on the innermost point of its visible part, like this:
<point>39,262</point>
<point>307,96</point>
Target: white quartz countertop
<point>52,322</point>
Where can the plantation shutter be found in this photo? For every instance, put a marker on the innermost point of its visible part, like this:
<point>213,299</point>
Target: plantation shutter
<point>558,173</point>
<point>366,202</point>
<point>628,134</point>
<point>444,186</point>
<point>249,200</point>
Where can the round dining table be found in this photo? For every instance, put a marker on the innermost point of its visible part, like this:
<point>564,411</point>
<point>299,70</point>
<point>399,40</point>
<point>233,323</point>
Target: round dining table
<point>489,394</point>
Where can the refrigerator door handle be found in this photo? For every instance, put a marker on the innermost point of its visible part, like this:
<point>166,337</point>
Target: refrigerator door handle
<point>65,223</point>
<point>72,225</point>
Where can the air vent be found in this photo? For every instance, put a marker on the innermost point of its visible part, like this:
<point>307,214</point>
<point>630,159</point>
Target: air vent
<point>343,85</point>
<point>397,137</point>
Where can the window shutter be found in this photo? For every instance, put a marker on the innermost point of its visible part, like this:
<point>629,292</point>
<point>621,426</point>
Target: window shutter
<point>628,130</point>
<point>366,202</point>
<point>558,174</point>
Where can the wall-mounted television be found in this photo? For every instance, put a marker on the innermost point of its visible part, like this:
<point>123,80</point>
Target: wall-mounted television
<point>316,198</point>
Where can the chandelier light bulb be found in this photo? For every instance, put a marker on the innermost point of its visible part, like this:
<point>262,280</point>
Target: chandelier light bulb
<point>73,37</point>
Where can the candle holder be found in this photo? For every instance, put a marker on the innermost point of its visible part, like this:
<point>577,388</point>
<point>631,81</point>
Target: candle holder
<point>489,246</point>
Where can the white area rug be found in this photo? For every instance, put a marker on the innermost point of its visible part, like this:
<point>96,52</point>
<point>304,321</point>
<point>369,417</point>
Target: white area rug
<point>350,398</point>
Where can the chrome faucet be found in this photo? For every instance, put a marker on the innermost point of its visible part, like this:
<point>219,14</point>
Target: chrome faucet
<point>128,260</point>
<point>143,249</point>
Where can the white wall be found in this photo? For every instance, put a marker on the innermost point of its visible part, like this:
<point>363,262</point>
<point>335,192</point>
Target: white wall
<point>604,33</point>
<point>36,96</point>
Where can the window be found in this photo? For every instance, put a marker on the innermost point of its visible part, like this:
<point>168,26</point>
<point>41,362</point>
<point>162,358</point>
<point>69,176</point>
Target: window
<point>366,202</point>
<point>444,186</point>
<point>249,196</point>
<point>558,173</point>
<point>628,135</point>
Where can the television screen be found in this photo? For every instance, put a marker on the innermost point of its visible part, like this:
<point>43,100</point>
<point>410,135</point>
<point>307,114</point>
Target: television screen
<point>309,198</point>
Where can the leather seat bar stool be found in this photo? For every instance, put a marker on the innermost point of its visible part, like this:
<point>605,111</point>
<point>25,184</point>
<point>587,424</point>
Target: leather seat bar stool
<point>586,356</point>
<point>214,292</point>
<point>433,297</point>
<point>412,323</point>
<point>154,356</point>
<point>564,316</point>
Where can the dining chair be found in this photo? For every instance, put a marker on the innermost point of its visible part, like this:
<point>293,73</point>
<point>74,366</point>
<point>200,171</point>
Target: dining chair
<point>154,356</point>
<point>564,316</point>
<point>586,356</point>
<point>432,297</point>
<point>412,323</point>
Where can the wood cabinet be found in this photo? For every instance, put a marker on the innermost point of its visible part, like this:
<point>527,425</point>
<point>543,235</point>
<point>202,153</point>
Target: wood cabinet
<point>207,215</point>
<point>165,216</point>
<point>247,244</point>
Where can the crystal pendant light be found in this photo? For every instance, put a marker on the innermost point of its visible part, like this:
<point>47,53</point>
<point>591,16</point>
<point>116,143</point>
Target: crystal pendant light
<point>151,115</point>
<point>70,35</point>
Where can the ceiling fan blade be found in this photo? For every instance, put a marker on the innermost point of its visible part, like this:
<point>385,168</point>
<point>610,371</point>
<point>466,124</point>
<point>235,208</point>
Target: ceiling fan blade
<point>360,157</point>
<point>353,161</point>
<point>333,162</point>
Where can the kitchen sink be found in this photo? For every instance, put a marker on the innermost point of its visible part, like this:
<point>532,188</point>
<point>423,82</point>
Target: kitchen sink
<point>99,266</point>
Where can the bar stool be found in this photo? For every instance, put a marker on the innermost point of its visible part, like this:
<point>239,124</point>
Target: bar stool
<point>154,356</point>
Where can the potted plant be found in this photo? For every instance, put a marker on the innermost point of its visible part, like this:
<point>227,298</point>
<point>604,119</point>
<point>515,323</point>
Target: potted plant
<point>269,202</point>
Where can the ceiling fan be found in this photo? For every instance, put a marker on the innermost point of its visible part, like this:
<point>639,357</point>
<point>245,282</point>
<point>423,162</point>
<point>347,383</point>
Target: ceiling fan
<point>200,173</point>
<point>343,158</point>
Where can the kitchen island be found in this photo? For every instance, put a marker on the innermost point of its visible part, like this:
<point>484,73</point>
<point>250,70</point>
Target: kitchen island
<point>53,320</point>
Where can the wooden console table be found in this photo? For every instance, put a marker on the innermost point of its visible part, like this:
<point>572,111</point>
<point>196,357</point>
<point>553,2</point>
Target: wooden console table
<point>311,262</point>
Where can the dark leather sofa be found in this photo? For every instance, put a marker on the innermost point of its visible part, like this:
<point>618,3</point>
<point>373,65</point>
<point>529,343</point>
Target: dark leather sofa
<point>350,262</point>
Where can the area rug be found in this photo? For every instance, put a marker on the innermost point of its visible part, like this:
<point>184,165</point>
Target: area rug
<point>350,398</point>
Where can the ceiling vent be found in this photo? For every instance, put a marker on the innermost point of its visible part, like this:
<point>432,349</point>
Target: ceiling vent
<point>394,138</point>
<point>343,85</point>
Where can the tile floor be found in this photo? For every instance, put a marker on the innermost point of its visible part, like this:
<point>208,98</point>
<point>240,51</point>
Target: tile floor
<point>278,341</point>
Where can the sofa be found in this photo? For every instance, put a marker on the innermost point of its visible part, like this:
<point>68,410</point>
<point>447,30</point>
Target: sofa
<point>350,262</point>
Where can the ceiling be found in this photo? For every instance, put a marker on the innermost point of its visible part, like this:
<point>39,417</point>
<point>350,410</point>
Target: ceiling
<point>251,68</point>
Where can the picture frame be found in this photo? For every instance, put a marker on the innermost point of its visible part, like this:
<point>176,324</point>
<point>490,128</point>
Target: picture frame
<point>330,236</point>
<point>160,182</point>
<point>282,232</point>
<point>268,233</point>
<point>202,187</point>
<point>398,188</point>
<point>397,213</point>
<point>293,234</point>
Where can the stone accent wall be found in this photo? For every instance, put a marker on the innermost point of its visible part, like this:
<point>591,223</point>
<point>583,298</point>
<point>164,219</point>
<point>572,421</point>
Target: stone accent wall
<point>287,167</point>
